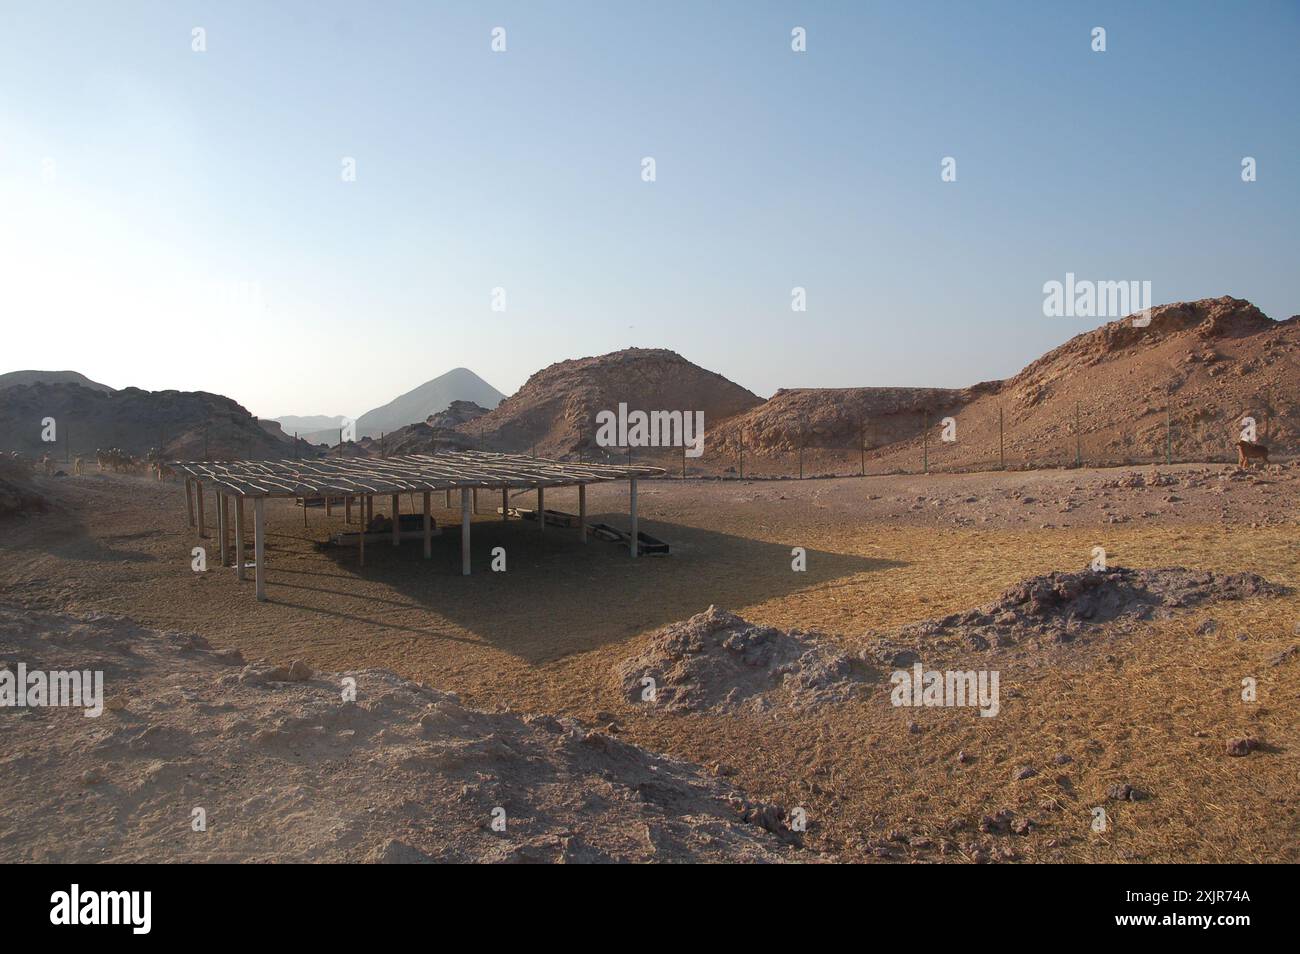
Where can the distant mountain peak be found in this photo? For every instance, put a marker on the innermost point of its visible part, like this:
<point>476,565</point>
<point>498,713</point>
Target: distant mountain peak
<point>432,397</point>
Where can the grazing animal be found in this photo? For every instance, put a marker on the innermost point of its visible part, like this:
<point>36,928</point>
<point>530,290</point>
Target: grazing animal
<point>1246,452</point>
<point>162,471</point>
<point>47,465</point>
<point>76,467</point>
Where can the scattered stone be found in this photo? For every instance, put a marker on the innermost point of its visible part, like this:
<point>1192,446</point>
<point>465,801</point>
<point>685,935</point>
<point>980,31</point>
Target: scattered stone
<point>1027,771</point>
<point>1123,792</point>
<point>717,662</point>
<point>1286,655</point>
<point>1241,747</point>
<point>299,671</point>
<point>1059,607</point>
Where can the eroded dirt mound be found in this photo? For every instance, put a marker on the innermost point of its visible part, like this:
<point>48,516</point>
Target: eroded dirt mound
<point>555,411</point>
<point>186,424</point>
<point>17,493</point>
<point>717,662</point>
<point>1058,607</point>
<point>1116,394</point>
<point>282,768</point>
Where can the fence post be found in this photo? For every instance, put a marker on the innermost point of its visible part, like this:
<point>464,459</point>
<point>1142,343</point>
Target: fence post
<point>1002,453</point>
<point>1078,439</point>
<point>1169,436</point>
<point>925,441</point>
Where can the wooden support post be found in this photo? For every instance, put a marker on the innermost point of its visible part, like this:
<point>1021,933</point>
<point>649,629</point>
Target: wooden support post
<point>505,504</point>
<point>464,531</point>
<point>447,499</point>
<point>259,546</point>
<point>397,521</point>
<point>347,509</point>
<point>582,512</point>
<point>632,507</point>
<point>541,509</point>
<point>221,527</point>
<point>476,500</point>
<point>329,503</point>
<point>198,493</point>
<point>189,499</point>
<point>304,513</point>
<point>370,509</point>
<point>239,538</point>
<point>361,534</point>
<point>428,528</point>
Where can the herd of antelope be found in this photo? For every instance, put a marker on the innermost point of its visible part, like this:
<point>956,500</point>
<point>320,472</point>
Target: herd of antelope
<point>114,459</point>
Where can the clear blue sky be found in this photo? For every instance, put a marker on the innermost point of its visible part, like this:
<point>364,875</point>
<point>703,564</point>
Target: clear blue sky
<point>195,231</point>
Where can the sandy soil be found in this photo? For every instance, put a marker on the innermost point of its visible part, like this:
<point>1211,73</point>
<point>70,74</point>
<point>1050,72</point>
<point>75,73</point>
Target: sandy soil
<point>1151,705</point>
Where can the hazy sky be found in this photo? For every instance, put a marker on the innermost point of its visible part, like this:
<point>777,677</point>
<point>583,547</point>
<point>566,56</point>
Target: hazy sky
<point>179,219</point>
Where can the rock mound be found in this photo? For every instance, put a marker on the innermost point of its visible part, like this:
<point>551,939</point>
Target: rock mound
<point>555,411</point>
<point>287,768</point>
<point>717,662</point>
<point>184,423</point>
<point>1117,394</point>
<point>18,495</point>
<point>1059,607</point>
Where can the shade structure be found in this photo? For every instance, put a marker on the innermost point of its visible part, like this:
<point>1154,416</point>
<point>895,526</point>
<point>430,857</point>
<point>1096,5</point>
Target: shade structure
<point>366,477</point>
<point>341,476</point>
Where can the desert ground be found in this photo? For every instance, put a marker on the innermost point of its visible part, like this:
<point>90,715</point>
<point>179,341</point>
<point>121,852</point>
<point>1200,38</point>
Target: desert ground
<point>512,688</point>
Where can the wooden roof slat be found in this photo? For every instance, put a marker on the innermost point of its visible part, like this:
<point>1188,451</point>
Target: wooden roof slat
<point>407,473</point>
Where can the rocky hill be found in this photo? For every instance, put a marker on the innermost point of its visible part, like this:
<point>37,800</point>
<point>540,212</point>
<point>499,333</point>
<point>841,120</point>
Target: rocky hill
<point>555,410</point>
<point>185,424</point>
<point>16,378</point>
<point>1116,394</point>
<point>838,417</point>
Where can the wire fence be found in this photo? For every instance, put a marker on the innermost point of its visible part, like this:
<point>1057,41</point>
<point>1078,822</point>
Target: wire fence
<point>965,441</point>
<point>992,441</point>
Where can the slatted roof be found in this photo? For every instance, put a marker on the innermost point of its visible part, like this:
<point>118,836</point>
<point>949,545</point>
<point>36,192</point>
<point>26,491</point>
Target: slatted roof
<point>390,475</point>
